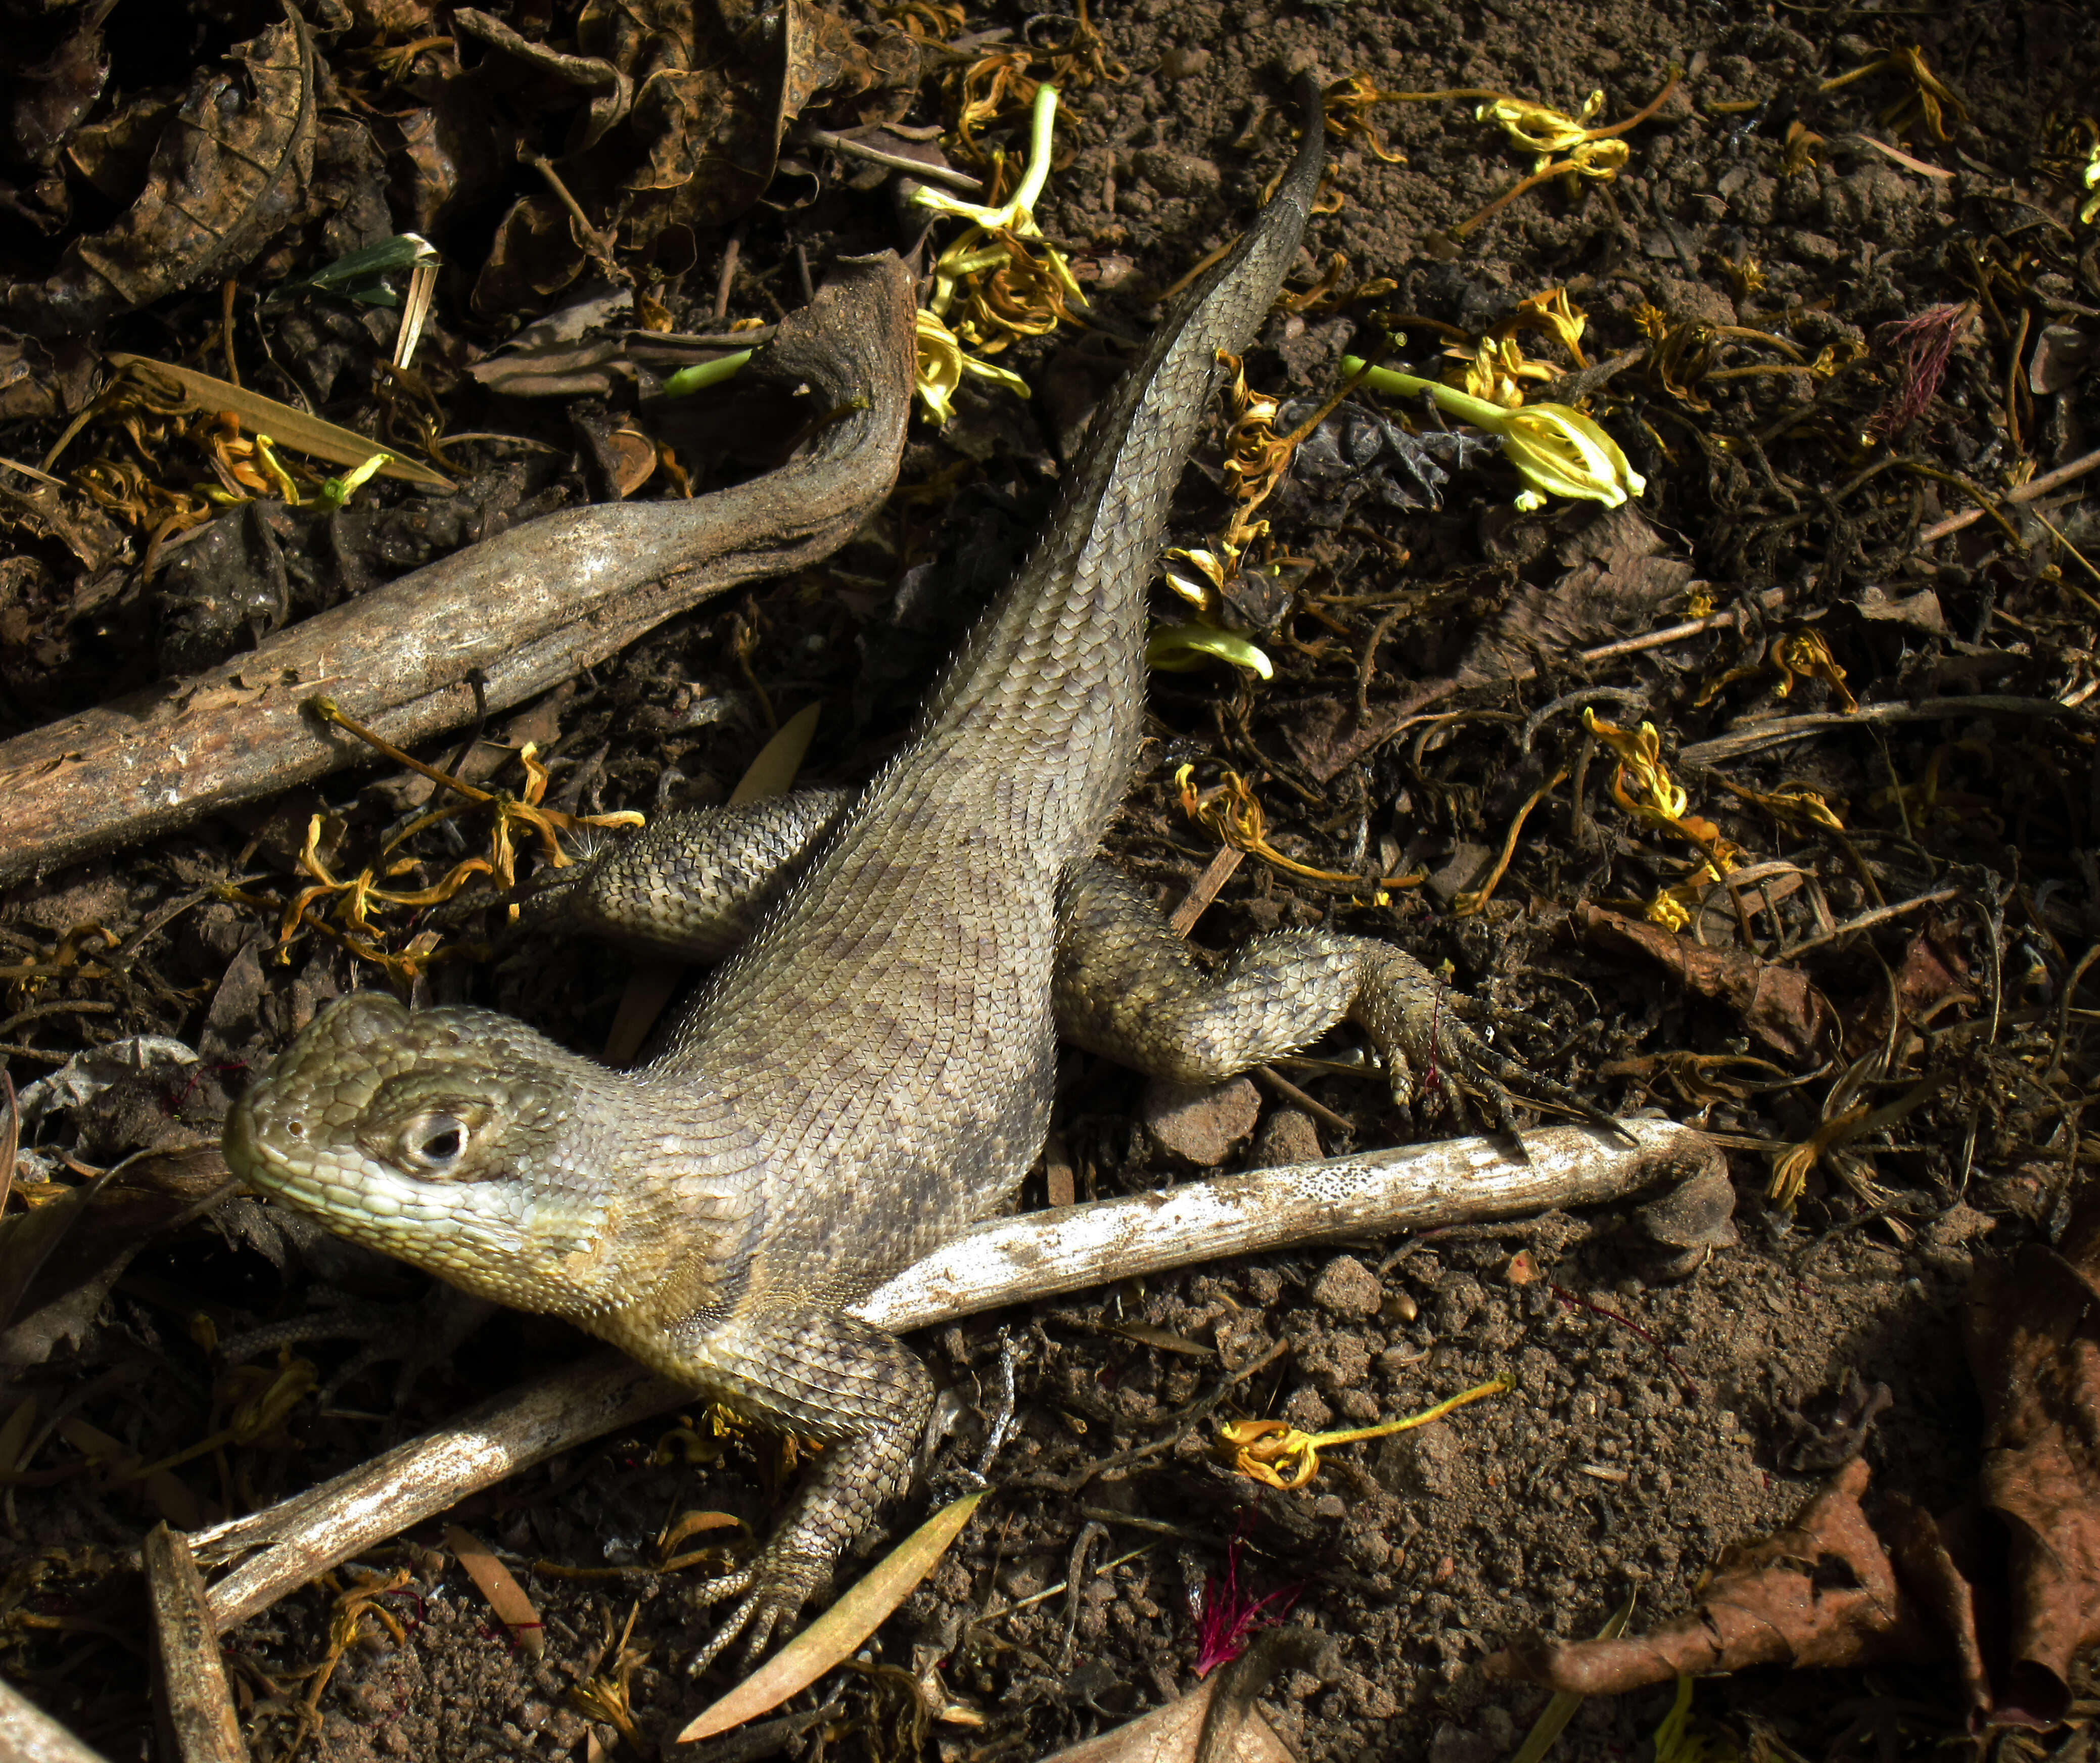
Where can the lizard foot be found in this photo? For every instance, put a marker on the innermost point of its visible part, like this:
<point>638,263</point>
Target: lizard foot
<point>775,1587</point>
<point>1435,1055</point>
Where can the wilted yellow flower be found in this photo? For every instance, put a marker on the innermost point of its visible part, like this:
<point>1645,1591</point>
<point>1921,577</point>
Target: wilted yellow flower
<point>1550,309</point>
<point>1540,129</point>
<point>1017,213</point>
<point>942,365</point>
<point>1178,648</point>
<point>1557,450</point>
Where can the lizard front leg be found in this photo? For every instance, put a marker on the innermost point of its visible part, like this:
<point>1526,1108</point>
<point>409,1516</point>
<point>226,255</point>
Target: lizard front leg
<point>690,886</point>
<point>1126,987</point>
<point>817,1374</point>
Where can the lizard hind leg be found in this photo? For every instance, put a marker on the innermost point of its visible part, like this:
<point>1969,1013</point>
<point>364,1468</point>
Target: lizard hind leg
<point>1126,987</point>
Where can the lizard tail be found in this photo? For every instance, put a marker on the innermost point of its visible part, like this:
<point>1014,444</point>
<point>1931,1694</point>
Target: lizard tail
<point>1053,675</point>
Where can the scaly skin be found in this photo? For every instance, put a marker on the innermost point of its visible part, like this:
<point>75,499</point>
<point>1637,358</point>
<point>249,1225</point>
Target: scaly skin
<point>870,1070</point>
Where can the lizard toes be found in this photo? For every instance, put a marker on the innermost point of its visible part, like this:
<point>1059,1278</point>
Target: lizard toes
<point>713,1592</point>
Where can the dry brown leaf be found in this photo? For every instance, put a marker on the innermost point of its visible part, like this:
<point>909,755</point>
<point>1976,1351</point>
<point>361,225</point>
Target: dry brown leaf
<point>2034,1344</point>
<point>53,94</point>
<point>611,92</point>
<point>1932,978</point>
<point>538,250</point>
<point>1615,579</point>
<point>1821,1592</point>
<point>506,1597</point>
<point>229,172</point>
<point>2014,1581</point>
<point>1779,1004</point>
<point>840,1629</point>
<point>171,1496</point>
<point>694,1524</point>
<point>633,457</point>
<point>1216,1721</point>
<point>772,773</point>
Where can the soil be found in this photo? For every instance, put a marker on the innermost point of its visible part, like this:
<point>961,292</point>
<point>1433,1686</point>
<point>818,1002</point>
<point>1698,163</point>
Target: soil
<point>1658,1413</point>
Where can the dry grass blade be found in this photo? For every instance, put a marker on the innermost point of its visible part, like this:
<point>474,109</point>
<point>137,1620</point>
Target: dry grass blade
<point>773,772</point>
<point>284,426</point>
<point>506,1597</point>
<point>841,1628</point>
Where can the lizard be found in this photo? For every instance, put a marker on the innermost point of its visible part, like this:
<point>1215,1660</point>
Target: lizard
<point>868,1070</point>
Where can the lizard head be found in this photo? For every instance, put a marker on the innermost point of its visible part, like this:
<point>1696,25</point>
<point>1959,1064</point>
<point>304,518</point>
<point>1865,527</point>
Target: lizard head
<point>459,1141</point>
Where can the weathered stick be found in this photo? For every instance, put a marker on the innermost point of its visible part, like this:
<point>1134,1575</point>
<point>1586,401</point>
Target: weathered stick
<point>524,611</point>
<point>192,1704</point>
<point>2028,491</point>
<point>27,1735</point>
<point>1008,1260</point>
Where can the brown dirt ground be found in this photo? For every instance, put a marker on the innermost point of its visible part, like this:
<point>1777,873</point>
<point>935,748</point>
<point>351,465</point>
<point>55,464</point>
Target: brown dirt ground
<point>1654,1420</point>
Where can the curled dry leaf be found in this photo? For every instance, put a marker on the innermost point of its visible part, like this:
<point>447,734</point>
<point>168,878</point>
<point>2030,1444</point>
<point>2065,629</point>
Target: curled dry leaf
<point>229,172</point>
<point>2034,1344</point>
<point>1821,1592</point>
<point>1782,1006</point>
<point>1933,977</point>
<point>2013,1579</point>
<point>1216,1721</point>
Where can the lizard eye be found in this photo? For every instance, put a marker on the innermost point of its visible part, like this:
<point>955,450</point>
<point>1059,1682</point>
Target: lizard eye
<point>434,1142</point>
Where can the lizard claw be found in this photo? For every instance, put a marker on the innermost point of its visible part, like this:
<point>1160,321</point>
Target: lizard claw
<point>1423,1027</point>
<point>775,1587</point>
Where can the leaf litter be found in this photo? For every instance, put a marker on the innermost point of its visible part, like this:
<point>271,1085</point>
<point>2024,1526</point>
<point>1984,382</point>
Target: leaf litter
<point>1604,761</point>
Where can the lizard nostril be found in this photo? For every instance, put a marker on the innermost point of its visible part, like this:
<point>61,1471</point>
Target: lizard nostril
<point>295,1128</point>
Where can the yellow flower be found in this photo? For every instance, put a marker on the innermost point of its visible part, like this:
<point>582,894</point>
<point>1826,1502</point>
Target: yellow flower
<point>1016,214</point>
<point>1538,128</point>
<point>1178,648</point>
<point>1557,450</point>
<point>942,365</point>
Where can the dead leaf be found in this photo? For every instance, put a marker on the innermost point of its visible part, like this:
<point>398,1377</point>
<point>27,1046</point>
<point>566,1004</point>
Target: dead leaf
<point>2034,1345</point>
<point>538,250</point>
<point>611,92</point>
<point>1821,1592</point>
<point>840,1629</point>
<point>1146,1334</point>
<point>51,96</point>
<point>170,1495</point>
<point>691,1524</point>
<point>1920,611</point>
<point>1779,1004</point>
<point>509,1600</point>
<point>116,155</point>
<point>1615,580</point>
<point>2014,1580</point>
<point>633,457</point>
<point>230,171</point>
<point>1217,1721</point>
<point>2061,353</point>
<point>28,1238</point>
<point>773,772</point>
<point>1932,978</point>
<point>456,151</point>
